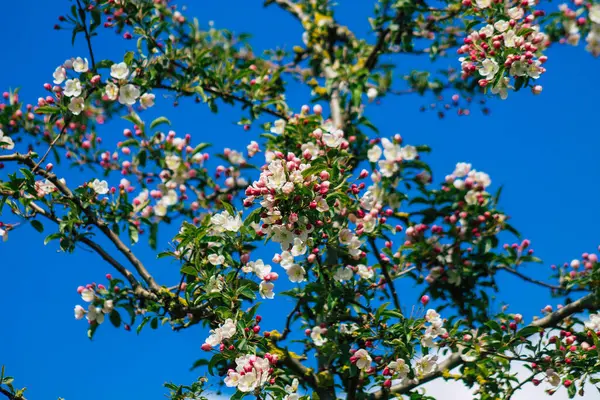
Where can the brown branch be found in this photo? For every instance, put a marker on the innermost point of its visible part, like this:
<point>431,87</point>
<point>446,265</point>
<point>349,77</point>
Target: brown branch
<point>10,396</point>
<point>386,274</point>
<point>589,301</point>
<point>93,218</point>
<point>86,32</point>
<point>537,282</point>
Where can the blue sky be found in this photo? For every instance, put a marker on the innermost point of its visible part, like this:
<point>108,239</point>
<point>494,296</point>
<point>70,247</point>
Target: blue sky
<point>542,149</point>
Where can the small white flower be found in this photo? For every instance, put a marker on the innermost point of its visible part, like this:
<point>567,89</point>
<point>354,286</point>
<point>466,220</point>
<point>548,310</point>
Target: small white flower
<point>594,13</point>
<point>333,139</point>
<point>372,93</point>
<point>426,364</point>
<point>363,359</point>
<point>553,377</point>
<point>216,259</point>
<point>119,71</point>
<point>296,273</point>
<point>3,235</point>
<point>461,170</point>
<point>80,65</point>
<point>77,105</point>
<point>374,154</point>
<point>501,26</point>
<point>111,91</point>
<point>408,153</point>
<point>128,94</point>
<point>79,312</point>
<point>59,75</point>
<point>147,100</point>
<point>72,88</point>
<point>278,127</point>
<point>317,336</point>
<point>266,290</point>
<point>489,68</point>
<point>594,323</point>
<point>365,272</point>
<point>100,187</point>
<point>343,274</point>
<point>107,307</point>
<point>88,295</point>
<point>173,162</point>
<point>483,3</point>
<point>6,142</point>
<point>487,30</point>
<point>95,314</point>
<point>516,13</point>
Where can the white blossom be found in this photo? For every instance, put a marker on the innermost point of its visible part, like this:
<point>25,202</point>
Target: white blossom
<point>278,127</point>
<point>80,65</point>
<point>316,335</point>
<point>59,75</point>
<point>119,71</point>
<point>147,100</point>
<point>100,187</point>
<point>363,359</point>
<point>72,88</point>
<point>266,290</point>
<point>6,142</point>
<point>128,94</point>
<point>77,105</point>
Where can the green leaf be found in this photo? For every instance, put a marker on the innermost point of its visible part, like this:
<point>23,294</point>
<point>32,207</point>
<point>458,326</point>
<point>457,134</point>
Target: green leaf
<point>47,110</point>
<point>115,318</point>
<point>158,121</point>
<point>128,57</point>
<point>37,225</point>
<point>527,331</point>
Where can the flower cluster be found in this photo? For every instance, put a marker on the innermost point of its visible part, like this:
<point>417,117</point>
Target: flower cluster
<point>218,335</point>
<point>434,330</point>
<point>97,307</point>
<point>510,48</point>
<point>251,372</point>
<point>574,24</point>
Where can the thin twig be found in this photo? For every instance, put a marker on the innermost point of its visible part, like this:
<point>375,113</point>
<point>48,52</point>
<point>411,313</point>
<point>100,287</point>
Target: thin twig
<point>88,38</point>
<point>386,274</point>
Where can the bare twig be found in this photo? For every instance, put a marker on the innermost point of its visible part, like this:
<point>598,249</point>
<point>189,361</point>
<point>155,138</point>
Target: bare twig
<point>386,274</point>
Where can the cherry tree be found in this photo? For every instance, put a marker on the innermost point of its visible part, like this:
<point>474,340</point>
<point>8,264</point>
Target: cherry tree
<point>349,211</point>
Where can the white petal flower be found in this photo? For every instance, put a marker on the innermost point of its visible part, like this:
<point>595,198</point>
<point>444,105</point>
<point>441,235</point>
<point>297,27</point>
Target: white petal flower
<point>147,100</point>
<point>372,93</point>
<point>363,359</point>
<point>77,105</point>
<point>278,127</point>
<point>88,295</point>
<point>374,154</point>
<point>59,75</point>
<point>594,13</point>
<point>111,91</point>
<point>119,71</point>
<point>296,273</point>
<point>483,3</point>
<point>489,68</point>
<point>317,336</point>
<point>100,187</point>
<point>6,142</point>
<point>80,65</point>
<point>79,312</point>
<point>72,88</point>
<point>128,94</point>
<point>266,290</point>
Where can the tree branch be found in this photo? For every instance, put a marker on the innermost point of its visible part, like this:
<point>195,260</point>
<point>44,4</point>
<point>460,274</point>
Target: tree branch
<point>589,301</point>
<point>386,274</point>
<point>86,32</point>
<point>540,283</point>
